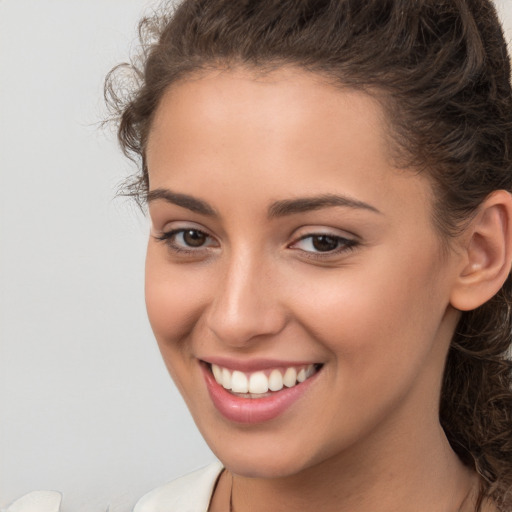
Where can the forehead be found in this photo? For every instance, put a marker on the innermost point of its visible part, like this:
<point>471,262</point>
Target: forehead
<point>286,129</point>
<point>283,102</point>
<point>275,108</point>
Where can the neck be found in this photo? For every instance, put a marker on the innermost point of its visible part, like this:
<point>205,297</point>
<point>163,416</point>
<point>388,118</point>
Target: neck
<point>418,469</point>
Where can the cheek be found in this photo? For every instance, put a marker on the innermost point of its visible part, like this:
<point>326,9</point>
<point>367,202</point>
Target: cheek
<point>381,316</point>
<point>174,303</point>
<point>174,299</point>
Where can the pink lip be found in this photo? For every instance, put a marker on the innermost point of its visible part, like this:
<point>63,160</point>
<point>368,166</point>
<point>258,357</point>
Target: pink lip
<point>253,410</point>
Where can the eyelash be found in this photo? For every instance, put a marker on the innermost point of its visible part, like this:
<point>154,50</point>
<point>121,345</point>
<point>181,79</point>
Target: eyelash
<point>169,239</point>
<point>343,244</point>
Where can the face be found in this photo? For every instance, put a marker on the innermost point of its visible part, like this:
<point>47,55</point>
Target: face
<point>286,252</point>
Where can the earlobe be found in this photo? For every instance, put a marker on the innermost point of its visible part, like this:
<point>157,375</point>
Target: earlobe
<point>487,254</point>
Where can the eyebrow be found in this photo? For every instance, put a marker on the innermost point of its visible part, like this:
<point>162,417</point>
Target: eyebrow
<point>305,204</point>
<point>277,209</point>
<point>185,201</point>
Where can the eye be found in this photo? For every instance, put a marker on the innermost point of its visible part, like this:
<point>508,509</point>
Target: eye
<point>191,238</point>
<point>323,243</point>
<point>187,240</point>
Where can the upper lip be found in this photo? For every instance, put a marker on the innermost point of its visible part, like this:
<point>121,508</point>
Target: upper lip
<point>254,365</point>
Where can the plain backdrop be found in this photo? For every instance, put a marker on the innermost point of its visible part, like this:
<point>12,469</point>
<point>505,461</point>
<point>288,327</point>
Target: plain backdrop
<point>86,405</point>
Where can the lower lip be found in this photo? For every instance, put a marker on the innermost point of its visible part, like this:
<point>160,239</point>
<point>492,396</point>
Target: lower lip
<point>253,410</point>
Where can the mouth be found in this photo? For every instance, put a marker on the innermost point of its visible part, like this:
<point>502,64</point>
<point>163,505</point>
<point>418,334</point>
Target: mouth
<point>258,396</point>
<point>260,384</point>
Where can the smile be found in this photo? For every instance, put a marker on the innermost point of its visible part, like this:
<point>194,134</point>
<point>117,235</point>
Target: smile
<point>262,395</point>
<point>259,384</point>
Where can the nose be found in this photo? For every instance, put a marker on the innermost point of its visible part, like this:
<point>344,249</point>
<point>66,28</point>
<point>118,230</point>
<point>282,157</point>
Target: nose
<point>246,303</point>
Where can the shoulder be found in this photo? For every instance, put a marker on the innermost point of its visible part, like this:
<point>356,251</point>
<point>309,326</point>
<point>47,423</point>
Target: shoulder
<point>190,493</point>
<point>40,501</point>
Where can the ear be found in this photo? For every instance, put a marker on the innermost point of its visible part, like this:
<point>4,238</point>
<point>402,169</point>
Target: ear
<point>487,253</point>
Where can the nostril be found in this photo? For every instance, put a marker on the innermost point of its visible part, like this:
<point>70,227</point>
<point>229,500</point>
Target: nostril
<point>241,327</point>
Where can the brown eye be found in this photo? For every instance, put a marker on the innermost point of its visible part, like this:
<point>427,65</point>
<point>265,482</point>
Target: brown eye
<point>194,238</point>
<point>325,243</point>
<point>187,240</point>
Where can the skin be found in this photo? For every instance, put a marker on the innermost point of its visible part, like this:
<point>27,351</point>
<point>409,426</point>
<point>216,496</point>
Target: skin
<point>377,315</point>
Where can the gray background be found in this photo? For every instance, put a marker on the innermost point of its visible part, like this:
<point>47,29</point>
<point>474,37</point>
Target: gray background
<point>86,406</point>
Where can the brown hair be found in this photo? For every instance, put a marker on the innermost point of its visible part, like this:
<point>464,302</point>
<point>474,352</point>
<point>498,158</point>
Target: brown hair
<point>442,72</point>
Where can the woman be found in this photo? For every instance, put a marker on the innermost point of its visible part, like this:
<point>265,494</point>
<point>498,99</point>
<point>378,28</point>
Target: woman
<point>331,239</point>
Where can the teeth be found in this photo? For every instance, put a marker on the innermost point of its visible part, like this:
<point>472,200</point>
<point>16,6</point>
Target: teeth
<point>275,381</point>
<point>217,373</point>
<point>258,383</point>
<point>290,377</point>
<point>239,382</point>
<point>226,378</point>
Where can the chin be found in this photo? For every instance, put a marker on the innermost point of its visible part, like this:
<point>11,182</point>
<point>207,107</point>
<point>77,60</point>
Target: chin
<point>261,454</point>
<point>270,466</point>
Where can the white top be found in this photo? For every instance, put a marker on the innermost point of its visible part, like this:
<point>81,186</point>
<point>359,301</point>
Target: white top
<point>190,493</point>
<point>37,501</point>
